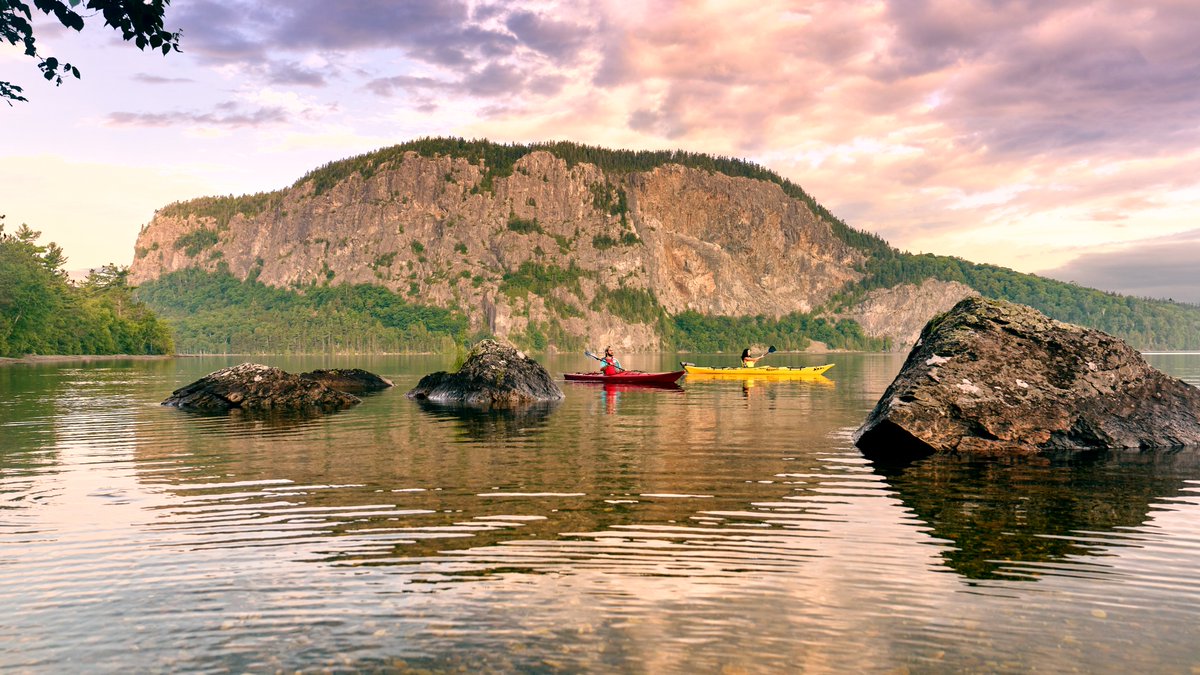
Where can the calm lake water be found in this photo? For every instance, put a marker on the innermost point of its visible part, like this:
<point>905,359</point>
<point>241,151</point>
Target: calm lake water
<point>723,527</point>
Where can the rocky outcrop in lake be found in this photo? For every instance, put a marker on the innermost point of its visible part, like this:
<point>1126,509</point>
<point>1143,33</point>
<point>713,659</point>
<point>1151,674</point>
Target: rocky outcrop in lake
<point>255,387</point>
<point>349,380</point>
<point>992,378</point>
<point>495,375</point>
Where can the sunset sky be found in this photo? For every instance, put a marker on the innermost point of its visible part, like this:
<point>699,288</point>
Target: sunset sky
<point>1061,137</point>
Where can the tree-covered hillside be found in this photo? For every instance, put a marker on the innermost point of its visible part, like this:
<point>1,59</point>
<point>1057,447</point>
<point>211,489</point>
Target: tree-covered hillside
<point>215,313</point>
<point>1146,324</point>
<point>42,313</point>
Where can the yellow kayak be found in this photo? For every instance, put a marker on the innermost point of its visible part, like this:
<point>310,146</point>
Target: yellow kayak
<point>775,372</point>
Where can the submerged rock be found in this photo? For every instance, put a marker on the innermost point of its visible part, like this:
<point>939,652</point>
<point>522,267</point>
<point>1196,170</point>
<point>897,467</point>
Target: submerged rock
<point>494,375</point>
<point>252,386</point>
<point>349,380</point>
<point>993,378</point>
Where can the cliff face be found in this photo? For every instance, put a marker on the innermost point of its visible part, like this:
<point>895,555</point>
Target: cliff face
<point>433,230</point>
<point>899,313</point>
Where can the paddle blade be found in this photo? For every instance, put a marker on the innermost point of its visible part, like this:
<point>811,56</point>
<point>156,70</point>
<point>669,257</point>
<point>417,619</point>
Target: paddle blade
<point>771,349</point>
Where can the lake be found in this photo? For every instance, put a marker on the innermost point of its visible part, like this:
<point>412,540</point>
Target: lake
<point>722,527</point>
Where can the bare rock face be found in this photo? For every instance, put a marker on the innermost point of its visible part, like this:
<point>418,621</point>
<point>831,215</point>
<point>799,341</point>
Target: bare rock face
<point>993,378</point>
<point>899,313</point>
<point>494,375</point>
<point>349,380</point>
<point>255,387</point>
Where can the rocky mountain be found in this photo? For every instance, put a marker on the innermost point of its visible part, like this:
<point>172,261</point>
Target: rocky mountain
<point>555,244</point>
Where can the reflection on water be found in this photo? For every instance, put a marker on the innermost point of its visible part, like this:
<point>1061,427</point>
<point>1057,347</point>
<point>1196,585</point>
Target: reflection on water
<point>1019,520</point>
<point>713,526</point>
<point>491,424</point>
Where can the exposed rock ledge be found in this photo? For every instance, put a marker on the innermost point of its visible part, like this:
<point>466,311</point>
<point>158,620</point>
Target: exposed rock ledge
<point>993,378</point>
<point>349,380</point>
<point>252,386</point>
<point>494,375</point>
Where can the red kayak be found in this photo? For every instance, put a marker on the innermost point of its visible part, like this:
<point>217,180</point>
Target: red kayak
<point>627,377</point>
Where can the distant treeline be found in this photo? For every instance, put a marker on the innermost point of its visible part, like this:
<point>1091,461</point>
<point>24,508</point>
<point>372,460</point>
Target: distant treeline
<point>1146,324</point>
<point>695,332</point>
<point>216,313</point>
<point>41,312</point>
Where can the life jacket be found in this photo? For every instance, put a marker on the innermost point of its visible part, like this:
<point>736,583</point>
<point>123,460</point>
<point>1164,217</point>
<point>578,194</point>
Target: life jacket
<point>748,362</point>
<point>611,365</point>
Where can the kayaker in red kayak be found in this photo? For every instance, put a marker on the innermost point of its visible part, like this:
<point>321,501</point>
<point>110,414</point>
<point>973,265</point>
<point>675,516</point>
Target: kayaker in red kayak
<point>611,365</point>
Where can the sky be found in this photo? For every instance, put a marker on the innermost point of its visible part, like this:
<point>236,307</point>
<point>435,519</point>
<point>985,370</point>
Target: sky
<point>1060,138</point>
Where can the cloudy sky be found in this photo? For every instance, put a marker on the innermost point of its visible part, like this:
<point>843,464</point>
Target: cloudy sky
<point>1054,137</point>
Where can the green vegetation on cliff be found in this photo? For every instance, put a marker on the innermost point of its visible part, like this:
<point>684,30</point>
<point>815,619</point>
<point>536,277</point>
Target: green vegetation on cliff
<point>1145,324</point>
<point>42,313</point>
<point>223,209</point>
<point>216,313</point>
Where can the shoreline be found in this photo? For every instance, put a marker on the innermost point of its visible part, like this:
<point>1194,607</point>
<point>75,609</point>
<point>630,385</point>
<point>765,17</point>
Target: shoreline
<point>67,358</point>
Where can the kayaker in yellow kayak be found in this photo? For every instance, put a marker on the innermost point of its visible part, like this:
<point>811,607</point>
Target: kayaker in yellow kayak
<point>749,361</point>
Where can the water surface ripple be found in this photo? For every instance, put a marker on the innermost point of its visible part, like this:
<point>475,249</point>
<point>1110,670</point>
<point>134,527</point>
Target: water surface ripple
<point>722,526</point>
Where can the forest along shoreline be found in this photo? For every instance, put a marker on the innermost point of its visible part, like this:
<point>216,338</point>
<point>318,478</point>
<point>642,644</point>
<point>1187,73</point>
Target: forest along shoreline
<point>68,358</point>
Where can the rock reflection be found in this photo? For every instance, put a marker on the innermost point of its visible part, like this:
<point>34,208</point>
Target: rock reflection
<point>1000,516</point>
<point>494,423</point>
<point>240,422</point>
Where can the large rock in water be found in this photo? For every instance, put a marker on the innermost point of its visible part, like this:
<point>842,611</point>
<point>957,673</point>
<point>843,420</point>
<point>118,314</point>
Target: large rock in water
<point>494,375</point>
<point>252,386</point>
<point>993,378</point>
